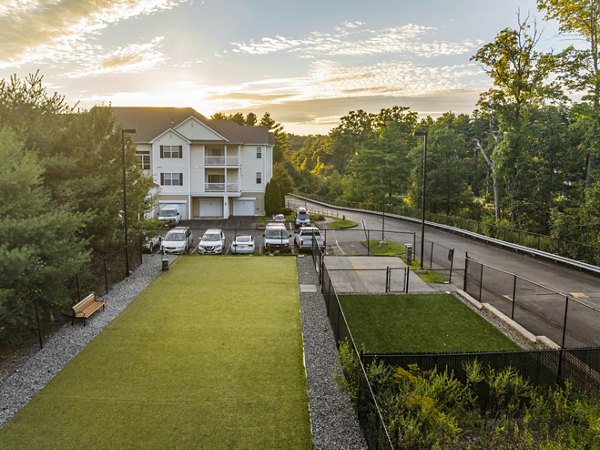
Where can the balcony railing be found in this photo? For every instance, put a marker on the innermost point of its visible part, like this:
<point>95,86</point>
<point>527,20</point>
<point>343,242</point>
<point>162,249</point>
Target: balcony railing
<point>221,161</point>
<point>221,187</point>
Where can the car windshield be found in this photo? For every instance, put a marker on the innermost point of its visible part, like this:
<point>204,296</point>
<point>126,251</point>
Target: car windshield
<point>175,237</point>
<point>302,215</point>
<point>276,233</point>
<point>310,232</point>
<point>211,237</point>
<point>168,213</point>
<point>244,239</point>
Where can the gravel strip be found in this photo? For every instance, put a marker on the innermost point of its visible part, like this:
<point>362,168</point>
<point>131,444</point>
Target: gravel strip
<point>34,368</point>
<point>333,420</point>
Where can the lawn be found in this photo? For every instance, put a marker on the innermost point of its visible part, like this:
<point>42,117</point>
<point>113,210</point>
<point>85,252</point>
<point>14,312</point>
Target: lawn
<point>209,356</point>
<point>419,323</point>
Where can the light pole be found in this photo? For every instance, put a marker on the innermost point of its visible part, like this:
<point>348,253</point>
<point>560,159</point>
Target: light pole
<point>423,133</point>
<point>123,131</point>
<point>383,219</point>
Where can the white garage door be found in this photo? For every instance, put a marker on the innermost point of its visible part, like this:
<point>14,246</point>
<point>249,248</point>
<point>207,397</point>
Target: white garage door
<point>211,207</point>
<point>243,207</point>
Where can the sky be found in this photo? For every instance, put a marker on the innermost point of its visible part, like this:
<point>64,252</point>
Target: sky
<point>306,62</point>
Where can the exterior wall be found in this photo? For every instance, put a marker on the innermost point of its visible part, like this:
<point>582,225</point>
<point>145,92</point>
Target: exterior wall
<point>197,169</point>
<point>195,130</point>
<point>171,165</point>
<point>250,165</point>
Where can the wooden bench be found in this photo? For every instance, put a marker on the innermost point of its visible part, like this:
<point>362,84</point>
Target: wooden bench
<point>86,307</point>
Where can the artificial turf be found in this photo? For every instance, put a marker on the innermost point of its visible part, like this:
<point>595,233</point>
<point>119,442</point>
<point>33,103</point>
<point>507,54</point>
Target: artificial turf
<point>419,323</point>
<point>209,356</point>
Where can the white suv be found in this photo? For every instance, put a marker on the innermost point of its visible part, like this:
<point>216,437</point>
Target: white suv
<point>212,242</point>
<point>178,240</point>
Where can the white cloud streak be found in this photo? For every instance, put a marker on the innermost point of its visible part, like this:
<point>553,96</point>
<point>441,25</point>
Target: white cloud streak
<point>353,39</point>
<point>52,31</point>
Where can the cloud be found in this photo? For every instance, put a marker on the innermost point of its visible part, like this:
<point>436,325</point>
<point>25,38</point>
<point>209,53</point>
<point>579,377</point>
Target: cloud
<point>52,30</point>
<point>330,80</point>
<point>353,39</point>
<point>129,59</point>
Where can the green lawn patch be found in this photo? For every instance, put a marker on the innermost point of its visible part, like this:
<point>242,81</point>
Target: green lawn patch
<point>419,323</point>
<point>391,248</point>
<point>340,224</point>
<point>209,356</point>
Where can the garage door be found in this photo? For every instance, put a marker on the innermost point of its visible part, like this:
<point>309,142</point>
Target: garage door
<point>211,207</point>
<point>182,207</point>
<point>243,207</point>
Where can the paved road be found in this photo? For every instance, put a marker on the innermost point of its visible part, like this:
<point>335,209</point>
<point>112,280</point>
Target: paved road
<point>534,303</point>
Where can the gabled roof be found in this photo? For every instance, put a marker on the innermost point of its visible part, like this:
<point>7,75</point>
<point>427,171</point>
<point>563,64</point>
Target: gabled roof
<point>150,122</point>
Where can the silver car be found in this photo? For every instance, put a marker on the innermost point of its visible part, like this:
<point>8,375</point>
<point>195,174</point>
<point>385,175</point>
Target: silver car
<point>212,242</point>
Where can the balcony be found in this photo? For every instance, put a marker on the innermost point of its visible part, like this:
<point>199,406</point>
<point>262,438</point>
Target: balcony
<point>221,161</point>
<point>221,187</point>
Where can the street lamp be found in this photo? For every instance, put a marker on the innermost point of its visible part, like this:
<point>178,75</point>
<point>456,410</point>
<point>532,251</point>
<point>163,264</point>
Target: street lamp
<point>123,131</point>
<point>423,133</point>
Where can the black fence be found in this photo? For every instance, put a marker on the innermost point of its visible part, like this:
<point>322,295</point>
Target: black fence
<point>407,245</point>
<point>540,367</point>
<point>568,321</point>
<point>571,249</point>
<point>35,320</point>
<point>368,411</point>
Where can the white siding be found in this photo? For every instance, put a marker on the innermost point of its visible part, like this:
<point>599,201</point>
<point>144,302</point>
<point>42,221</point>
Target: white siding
<point>195,130</point>
<point>197,169</point>
<point>171,165</point>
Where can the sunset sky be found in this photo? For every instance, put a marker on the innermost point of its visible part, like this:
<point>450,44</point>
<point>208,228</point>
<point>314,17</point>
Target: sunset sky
<point>307,62</point>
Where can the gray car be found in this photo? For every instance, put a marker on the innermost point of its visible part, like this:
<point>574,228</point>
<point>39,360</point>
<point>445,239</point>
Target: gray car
<point>302,218</point>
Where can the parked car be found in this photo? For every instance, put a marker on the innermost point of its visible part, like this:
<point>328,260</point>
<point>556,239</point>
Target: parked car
<point>178,240</point>
<point>212,242</point>
<point>169,216</point>
<point>302,217</point>
<point>277,237</point>
<point>278,218</point>
<point>242,244</point>
<point>152,243</point>
<point>303,238</point>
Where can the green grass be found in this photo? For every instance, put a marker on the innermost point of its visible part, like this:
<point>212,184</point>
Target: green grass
<point>419,323</point>
<point>391,248</point>
<point>340,224</point>
<point>209,356</point>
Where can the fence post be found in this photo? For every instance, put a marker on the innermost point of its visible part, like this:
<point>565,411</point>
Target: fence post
<point>466,270</point>
<point>431,258</point>
<point>368,242</point>
<point>480,282</point>
<point>565,322</point>
<point>105,276</point>
<point>407,273</point>
<point>514,298</point>
<point>414,242</point>
<point>37,318</point>
<point>451,266</point>
<point>387,279</point>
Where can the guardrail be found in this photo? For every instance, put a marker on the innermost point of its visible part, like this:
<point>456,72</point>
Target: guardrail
<point>580,265</point>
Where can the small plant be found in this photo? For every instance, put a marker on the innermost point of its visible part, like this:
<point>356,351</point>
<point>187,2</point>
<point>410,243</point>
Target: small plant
<point>349,382</point>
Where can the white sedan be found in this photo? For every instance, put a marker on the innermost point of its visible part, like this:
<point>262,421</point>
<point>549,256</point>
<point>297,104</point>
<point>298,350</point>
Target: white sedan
<point>242,244</point>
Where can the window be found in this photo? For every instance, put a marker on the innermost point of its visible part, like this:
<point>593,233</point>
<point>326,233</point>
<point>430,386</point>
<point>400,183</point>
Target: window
<point>258,152</point>
<point>171,151</point>
<point>171,179</point>
<point>258,177</point>
<point>144,158</point>
<point>216,178</point>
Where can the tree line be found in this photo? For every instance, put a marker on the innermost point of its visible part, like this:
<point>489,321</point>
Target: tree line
<point>527,157</point>
<point>61,193</point>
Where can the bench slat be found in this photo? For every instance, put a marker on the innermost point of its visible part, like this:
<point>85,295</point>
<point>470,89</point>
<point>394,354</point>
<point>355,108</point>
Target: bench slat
<point>86,307</point>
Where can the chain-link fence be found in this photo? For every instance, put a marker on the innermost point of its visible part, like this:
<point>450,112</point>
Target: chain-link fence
<point>567,321</point>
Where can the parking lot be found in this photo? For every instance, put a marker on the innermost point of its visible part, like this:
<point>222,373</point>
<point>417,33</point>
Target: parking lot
<point>232,227</point>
